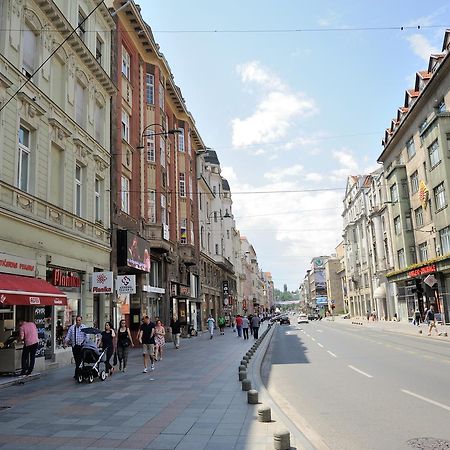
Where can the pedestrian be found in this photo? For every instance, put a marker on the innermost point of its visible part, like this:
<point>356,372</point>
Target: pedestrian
<point>233,323</point>
<point>429,316</point>
<point>245,326</point>
<point>417,317</point>
<point>75,338</point>
<point>250,317</point>
<point>29,337</point>
<point>175,329</point>
<point>211,322</point>
<point>239,325</point>
<point>108,344</point>
<point>160,340</point>
<point>124,340</point>
<point>146,336</point>
<point>374,315</point>
<point>255,325</point>
<point>221,322</point>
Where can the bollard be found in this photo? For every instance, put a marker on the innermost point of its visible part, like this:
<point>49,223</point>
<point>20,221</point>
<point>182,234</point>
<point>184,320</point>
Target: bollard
<point>246,358</point>
<point>281,440</point>
<point>264,414</point>
<point>252,397</point>
<point>242,368</point>
<point>246,385</point>
<point>244,362</point>
<point>242,375</point>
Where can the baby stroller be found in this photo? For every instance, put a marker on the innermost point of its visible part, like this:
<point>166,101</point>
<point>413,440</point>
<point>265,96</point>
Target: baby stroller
<point>92,363</point>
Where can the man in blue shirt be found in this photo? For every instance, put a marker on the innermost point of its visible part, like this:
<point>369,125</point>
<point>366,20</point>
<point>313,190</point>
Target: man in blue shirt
<point>75,337</point>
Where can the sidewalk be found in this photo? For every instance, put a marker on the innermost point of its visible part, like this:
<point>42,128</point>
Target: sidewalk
<point>192,401</point>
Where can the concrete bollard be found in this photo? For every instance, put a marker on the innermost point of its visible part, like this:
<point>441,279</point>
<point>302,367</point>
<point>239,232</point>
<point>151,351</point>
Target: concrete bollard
<point>264,414</point>
<point>252,397</point>
<point>242,375</point>
<point>246,385</point>
<point>246,358</point>
<point>244,362</point>
<point>281,440</point>
<point>242,367</point>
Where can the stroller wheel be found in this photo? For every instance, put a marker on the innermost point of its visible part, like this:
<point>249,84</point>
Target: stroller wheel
<point>80,378</point>
<point>102,375</point>
<point>91,378</point>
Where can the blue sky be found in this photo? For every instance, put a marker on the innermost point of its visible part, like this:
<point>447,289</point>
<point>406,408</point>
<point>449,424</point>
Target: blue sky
<point>294,111</point>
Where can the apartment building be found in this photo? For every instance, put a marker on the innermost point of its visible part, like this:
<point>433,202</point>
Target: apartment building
<point>54,165</point>
<point>417,169</point>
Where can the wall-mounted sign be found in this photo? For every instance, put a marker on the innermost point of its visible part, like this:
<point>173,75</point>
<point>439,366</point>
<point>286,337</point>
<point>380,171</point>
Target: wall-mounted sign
<point>179,290</point>
<point>422,271</point>
<point>423,194</point>
<point>225,292</point>
<point>65,278</point>
<point>102,282</point>
<point>126,284</point>
<point>16,265</point>
<point>133,251</point>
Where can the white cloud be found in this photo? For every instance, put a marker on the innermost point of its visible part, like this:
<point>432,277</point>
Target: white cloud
<point>313,176</point>
<point>281,174</point>
<point>274,115</point>
<point>421,46</point>
<point>229,173</point>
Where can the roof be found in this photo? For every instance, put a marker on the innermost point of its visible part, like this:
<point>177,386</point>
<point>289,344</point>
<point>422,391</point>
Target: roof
<point>211,157</point>
<point>225,185</point>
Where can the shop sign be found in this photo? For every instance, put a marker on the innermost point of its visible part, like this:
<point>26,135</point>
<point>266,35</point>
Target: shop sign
<point>102,282</point>
<point>126,284</point>
<point>182,290</point>
<point>431,280</point>
<point>225,292</point>
<point>153,289</point>
<point>422,271</point>
<point>16,265</point>
<point>65,278</point>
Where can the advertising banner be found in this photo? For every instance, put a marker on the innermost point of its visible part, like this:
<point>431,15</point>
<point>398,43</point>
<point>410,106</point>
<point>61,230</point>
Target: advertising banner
<point>102,282</point>
<point>133,251</point>
<point>126,284</point>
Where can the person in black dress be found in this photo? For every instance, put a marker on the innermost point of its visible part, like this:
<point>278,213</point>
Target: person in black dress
<point>108,343</point>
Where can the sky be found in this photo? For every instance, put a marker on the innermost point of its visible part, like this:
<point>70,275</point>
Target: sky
<point>293,114</point>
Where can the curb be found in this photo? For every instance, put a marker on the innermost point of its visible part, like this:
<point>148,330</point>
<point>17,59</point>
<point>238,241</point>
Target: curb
<point>254,373</point>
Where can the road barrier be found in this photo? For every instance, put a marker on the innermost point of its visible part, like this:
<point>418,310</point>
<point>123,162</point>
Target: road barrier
<point>281,440</point>
<point>246,385</point>
<point>252,397</point>
<point>242,375</point>
<point>264,414</point>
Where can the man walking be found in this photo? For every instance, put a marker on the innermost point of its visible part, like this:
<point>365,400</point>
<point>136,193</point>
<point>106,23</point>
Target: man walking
<point>146,337</point>
<point>175,328</point>
<point>211,323</point>
<point>75,337</point>
<point>245,326</point>
<point>221,322</point>
<point>29,336</point>
<point>239,325</point>
<point>255,325</point>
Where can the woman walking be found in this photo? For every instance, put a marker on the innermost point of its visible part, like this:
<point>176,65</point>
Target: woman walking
<point>211,323</point>
<point>160,339</point>
<point>108,337</point>
<point>124,340</point>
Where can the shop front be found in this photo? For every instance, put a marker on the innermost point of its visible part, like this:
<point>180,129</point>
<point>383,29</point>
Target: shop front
<point>24,297</point>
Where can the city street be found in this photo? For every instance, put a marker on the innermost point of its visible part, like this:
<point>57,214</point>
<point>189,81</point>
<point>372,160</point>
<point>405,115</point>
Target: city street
<point>360,387</point>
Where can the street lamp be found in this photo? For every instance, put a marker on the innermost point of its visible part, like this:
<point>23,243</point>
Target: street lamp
<point>162,133</point>
<point>225,216</point>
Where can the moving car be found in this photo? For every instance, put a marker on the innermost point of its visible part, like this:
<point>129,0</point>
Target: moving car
<point>285,319</point>
<point>302,318</point>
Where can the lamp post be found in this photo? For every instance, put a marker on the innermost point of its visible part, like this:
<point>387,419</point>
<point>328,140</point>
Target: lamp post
<point>225,216</point>
<point>164,133</point>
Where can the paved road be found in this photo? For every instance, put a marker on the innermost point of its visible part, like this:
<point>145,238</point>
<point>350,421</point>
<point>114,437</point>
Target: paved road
<point>361,388</point>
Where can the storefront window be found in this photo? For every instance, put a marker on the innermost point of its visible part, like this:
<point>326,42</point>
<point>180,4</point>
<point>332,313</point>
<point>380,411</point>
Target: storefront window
<point>65,317</point>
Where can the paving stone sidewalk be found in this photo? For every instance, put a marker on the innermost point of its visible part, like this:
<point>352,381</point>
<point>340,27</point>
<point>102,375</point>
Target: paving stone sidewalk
<point>192,401</point>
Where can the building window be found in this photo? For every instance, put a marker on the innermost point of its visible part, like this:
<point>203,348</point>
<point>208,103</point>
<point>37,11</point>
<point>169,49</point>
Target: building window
<point>183,231</point>
<point>191,194</point>
<point>422,126</point>
<point>163,210</point>
<point>181,140</point>
<point>394,193</point>
<point>410,148</point>
<point>228,234</point>
<point>397,225</point>
<point>152,206</point>
<point>161,96</point>
<point>423,251</point>
<point>125,63</point>
<point>202,236</point>
<point>125,194</point>
<point>125,126</point>
<point>23,172</point>
<point>192,232</point>
<point>98,200</point>
<point>444,236</point>
<point>418,214</point>
<point>150,147</point>
<point>441,106</point>
<point>433,152</point>
<point>162,151</point>
<point>99,118</point>
<point>182,184</point>
<point>80,104</point>
<point>81,24</point>
<point>29,51</point>
<point>215,216</point>
<point>150,88</point>
<point>78,190</point>
<point>401,258</point>
<point>414,182</point>
<point>439,196</point>
<point>217,249</point>
<point>99,49</point>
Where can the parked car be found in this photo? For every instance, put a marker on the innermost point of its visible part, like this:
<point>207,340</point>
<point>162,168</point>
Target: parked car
<point>285,319</point>
<point>302,318</point>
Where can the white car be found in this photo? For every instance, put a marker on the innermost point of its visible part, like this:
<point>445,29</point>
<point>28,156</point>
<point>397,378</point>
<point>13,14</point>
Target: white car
<point>302,318</point>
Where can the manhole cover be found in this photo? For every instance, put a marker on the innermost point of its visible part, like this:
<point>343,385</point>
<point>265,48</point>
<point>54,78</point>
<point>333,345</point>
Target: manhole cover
<point>429,443</point>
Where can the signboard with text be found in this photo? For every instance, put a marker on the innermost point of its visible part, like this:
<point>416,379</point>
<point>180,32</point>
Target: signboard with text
<point>126,284</point>
<point>102,282</point>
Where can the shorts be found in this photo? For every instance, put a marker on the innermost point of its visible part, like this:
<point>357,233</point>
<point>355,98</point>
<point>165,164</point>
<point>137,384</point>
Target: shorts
<point>148,349</point>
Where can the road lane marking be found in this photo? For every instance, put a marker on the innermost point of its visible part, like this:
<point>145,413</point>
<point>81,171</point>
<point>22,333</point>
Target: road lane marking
<point>360,371</point>
<point>320,345</point>
<point>332,354</point>
<point>425,399</point>
<point>313,339</point>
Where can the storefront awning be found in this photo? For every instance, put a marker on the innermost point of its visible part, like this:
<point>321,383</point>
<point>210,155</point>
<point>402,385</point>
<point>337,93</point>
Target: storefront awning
<point>18,290</point>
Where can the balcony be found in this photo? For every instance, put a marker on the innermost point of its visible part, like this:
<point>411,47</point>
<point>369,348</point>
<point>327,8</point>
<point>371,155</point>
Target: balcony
<point>153,232</point>
<point>187,254</point>
<point>223,263</point>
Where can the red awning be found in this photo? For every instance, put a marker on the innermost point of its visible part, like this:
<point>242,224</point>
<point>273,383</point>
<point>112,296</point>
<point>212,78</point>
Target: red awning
<point>18,290</point>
